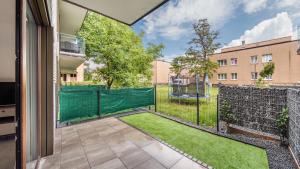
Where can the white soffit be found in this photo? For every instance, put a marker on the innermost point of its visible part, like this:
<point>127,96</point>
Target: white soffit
<point>71,17</point>
<point>126,11</point>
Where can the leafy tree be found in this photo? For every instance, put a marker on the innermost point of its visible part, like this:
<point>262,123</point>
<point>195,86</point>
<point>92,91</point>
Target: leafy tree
<point>202,46</point>
<point>120,52</point>
<point>268,70</point>
<point>178,64</point>
<point>155,50</point>
<point>282,124</point>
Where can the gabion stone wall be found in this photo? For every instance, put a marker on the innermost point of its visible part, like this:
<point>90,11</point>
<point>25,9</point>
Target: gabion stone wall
<point>293,103</point>
<point>254,108</point>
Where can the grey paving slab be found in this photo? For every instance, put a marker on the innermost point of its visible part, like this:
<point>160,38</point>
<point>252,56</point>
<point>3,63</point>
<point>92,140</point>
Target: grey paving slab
<point>110,144</point>
<point>165,155</point>
<point>185,163</point>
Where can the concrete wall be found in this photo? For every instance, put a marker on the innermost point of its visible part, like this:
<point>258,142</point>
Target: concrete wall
<point>7,41</point>
<point>284,54</point>
<point>255,108</point>
<point>293,103</point>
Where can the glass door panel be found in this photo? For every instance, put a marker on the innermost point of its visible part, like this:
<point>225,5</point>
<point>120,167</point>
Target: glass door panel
<point>31,90</point>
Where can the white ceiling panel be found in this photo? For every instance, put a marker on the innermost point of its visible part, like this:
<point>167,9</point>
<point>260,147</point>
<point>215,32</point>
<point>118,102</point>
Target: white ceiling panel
<point>71,17</point>
<point>126,11</point>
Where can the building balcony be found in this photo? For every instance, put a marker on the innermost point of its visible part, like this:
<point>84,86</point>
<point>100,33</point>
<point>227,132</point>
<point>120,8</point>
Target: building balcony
<point>71,44</point>
<point>72,53</point>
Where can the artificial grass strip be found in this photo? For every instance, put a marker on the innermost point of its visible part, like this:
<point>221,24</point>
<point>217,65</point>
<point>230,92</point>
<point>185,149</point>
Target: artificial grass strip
<point>216,151</point>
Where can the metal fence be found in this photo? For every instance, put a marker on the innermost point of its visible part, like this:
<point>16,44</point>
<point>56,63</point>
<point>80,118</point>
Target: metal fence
<point>197,110</point>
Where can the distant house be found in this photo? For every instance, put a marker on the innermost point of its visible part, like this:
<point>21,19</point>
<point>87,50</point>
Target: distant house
<point>161,72</point>
<point>241,65</point>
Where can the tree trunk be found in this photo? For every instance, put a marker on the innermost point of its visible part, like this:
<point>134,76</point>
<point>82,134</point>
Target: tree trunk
<point>109,83</point>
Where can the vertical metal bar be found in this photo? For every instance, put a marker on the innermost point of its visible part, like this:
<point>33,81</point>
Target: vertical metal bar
<point>99,103</point>
<point>155,103</point>
<point>198,112</point>
<point>218,113</point>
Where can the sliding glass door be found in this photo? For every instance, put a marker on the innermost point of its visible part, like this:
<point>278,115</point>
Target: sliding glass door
<point>32,153</point>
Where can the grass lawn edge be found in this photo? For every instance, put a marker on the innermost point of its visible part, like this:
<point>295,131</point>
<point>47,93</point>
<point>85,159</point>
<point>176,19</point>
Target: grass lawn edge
<point>186,154</point>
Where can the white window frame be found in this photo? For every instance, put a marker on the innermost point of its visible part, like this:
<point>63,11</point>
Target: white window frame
<point>252,75</point>
<point>267,58</point>
<point>251,60</point>
<point>268,77</point>
<point>236,60</point>
<point>222,62</point>
<point>222,76</point>
<point>234,77</point>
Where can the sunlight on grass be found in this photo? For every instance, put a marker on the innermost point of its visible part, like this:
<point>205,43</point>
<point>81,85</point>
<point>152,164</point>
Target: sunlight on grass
<point>219,152</point>
<point>186,109</point>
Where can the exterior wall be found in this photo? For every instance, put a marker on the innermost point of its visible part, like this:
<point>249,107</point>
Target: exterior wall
<point>255,108</point>
<point>284,55</point>
<point>80,73</point>
<point>294,122</point>
<point>161,72</point>
<point>7,41</point>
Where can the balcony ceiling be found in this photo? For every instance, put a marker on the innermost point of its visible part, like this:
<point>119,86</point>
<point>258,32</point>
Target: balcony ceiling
<point>70,61</point>
<point>72,12</point>
<point>70,17</point>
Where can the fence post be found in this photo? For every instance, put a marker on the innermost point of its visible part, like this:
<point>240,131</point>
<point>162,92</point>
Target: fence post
<point>218,118</point>
<point>198,112</point>
<point>99,103</point>
<point>155,107</point>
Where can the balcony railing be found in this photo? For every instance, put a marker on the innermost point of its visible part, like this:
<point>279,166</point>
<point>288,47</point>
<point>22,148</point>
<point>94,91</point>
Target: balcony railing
<point>71,44</point>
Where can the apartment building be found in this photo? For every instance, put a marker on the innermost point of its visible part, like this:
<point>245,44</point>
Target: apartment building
<point>161,71</point>
<point>71,53</point>
<point>241,65</point>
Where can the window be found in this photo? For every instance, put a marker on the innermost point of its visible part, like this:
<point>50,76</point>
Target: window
<point>233,76</point>
<point>268,77</point>
<point>233,61</point>
<point>222,76</point>
<point>254,60</point>
<point>267,58</point>
<point>222,62</point>
<point>254,75</point>
<point>64,77</point>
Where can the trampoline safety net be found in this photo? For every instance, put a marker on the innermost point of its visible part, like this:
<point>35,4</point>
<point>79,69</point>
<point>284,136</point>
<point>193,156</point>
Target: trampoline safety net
<point>81,102</point>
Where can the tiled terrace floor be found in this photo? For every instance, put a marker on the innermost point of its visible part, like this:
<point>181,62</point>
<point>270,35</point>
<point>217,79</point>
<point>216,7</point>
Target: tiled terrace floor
<point>111,144</point>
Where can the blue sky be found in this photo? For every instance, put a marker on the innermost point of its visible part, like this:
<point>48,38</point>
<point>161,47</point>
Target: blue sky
<point>236,20</point>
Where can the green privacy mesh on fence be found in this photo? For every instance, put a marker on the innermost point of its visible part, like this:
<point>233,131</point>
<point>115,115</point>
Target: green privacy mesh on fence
<point>95,101</point>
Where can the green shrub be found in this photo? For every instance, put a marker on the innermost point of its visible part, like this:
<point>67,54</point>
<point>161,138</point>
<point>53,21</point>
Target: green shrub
<point>282,124</point>
<point>227,113</point>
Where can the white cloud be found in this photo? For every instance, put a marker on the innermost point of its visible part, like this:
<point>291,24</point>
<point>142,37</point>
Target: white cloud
<point>174,20</point>
<point>286,3</point>
<point>276,27</point>
<point>173,32</point>
<point>252,6</point>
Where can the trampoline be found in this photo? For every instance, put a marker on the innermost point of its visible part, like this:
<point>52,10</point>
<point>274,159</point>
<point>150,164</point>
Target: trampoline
<point>182,86</point>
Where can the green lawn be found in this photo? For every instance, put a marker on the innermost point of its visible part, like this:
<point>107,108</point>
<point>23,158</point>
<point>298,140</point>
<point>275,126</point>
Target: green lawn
<point>219,152</point>
<point>186,108</point>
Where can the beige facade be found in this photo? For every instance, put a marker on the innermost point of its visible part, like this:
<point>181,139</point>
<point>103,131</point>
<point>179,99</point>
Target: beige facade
<point>73,76</point>
<point>161,72</point>
<point>241,65</point>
